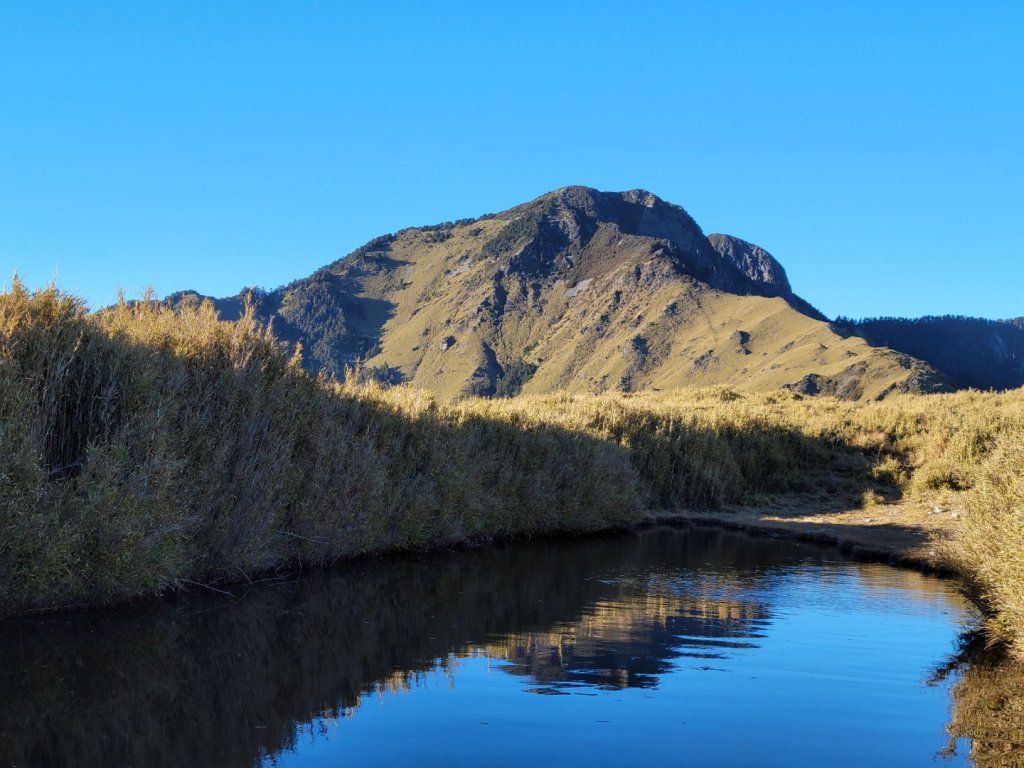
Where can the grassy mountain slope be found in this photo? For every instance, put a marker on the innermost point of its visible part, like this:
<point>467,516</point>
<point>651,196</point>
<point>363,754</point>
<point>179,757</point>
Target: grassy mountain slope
<point>577,290</point>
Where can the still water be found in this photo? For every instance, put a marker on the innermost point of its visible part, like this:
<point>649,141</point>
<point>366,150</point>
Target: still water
<point>663,646</point>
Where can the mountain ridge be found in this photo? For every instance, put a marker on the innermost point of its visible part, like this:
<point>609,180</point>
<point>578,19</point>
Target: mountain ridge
<point>576,290</point>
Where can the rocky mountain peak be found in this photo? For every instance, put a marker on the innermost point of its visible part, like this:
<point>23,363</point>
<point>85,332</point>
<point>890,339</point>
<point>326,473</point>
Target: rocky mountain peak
<point>754,262</point>
<point>634,212</point>
<point>565,220</point>
<point>576,225</point>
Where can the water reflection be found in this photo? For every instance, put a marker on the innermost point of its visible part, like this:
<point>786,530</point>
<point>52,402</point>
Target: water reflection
<point>630,640</point>
<point>230,680</point>
<point>988,703</point>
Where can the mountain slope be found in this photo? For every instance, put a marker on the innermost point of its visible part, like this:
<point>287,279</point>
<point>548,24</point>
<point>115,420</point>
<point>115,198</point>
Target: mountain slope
<point>577,290</point>
<point>972,352</point>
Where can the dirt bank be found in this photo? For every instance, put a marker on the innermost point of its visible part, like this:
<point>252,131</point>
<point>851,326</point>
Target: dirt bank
<point>905,533</point>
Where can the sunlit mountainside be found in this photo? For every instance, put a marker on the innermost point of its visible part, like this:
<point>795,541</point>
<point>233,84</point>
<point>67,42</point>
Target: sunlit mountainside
<point>588,291</point>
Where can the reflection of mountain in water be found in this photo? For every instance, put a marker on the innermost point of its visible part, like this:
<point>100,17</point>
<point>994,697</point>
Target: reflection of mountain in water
<point>211,680</point>
<point>629,641</point>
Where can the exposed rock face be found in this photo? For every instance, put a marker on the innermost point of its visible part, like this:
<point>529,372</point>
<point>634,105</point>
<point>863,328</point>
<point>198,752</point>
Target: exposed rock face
<point>554,231</point>
<point>845,386</point>
<point>576,290</point>
<point>754,262</point>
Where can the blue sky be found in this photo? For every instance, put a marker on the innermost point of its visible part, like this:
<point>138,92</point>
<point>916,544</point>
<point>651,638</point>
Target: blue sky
<point>874,147</point>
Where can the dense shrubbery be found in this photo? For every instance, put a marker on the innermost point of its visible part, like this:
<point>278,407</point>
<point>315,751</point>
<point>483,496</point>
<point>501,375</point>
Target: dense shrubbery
<point>314,309</point>
<point>140,449</point>
<point>512,234</point>
<point>513,377</point>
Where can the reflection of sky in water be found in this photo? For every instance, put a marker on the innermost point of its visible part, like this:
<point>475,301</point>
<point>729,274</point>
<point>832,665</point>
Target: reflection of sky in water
<point>796,666</point>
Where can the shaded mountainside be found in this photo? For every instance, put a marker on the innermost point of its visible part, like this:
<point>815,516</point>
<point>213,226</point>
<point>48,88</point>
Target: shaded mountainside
<point>577,290</point>
<point>972,352</point>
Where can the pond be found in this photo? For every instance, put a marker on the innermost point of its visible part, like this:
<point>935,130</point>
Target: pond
<point>688,647</point>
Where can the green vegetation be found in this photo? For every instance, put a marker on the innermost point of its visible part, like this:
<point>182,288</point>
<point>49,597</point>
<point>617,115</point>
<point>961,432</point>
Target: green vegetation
<point>314,309</point>
<point>143,448</point>
<point>971,351</point>
<point>513,377</point>
<point>521,228</point>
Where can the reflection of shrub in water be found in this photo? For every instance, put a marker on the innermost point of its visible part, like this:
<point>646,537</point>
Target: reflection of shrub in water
<point>988,704</point>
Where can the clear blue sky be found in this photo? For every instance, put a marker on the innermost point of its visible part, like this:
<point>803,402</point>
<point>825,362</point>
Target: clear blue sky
<point>876,148</point>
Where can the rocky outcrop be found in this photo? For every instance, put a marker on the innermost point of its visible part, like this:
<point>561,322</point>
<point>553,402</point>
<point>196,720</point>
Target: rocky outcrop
<point>756,264</point>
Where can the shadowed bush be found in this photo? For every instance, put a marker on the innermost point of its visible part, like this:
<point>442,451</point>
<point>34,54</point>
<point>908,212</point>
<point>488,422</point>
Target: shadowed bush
<point>143,449</point>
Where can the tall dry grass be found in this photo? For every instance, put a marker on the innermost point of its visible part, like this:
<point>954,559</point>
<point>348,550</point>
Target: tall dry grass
<point>990,545</point>
<point>142,448</point>
<point>718,446</point>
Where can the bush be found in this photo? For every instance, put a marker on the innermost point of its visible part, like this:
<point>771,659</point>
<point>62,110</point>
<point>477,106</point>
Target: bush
<point>990,547</point>
<point>143,449</point>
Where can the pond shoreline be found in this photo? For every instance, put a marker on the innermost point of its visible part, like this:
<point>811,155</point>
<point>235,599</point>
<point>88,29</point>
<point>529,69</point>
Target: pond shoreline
<point>902,534</point>
<point>849,545</point>
<point>860,534</point>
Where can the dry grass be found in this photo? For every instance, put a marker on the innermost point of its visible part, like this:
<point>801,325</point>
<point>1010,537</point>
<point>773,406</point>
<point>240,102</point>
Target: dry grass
<point>141,449</point>
<point>990,544</point>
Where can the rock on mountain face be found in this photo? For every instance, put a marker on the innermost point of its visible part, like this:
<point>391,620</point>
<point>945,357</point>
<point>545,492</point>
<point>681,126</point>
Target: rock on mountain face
<point>754,262</point>
<point>577,290</point>
<point>555,229</point>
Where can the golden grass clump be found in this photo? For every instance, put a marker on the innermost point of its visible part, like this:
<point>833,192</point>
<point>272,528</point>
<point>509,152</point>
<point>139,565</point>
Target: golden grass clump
<point>990,544</point>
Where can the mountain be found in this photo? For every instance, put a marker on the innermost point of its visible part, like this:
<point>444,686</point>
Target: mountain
<point>762,268</point>
<point>970,351</point>
<point>754,262</point>
<point>577,290</point>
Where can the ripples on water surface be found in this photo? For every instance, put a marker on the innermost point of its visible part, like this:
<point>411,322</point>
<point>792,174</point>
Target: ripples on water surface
<point>673,647</point>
